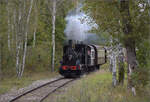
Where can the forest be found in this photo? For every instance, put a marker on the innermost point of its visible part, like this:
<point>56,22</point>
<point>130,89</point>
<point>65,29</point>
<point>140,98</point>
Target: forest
<point>33,32</point>
<point>26,34</point>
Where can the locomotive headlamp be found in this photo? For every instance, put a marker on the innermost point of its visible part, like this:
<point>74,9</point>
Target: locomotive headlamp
<point>64,67</point>
<point>73,67</point>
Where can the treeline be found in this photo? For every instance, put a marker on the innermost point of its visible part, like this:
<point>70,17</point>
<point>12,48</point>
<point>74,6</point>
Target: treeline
<point>26,28</point>
<point>128,24</point>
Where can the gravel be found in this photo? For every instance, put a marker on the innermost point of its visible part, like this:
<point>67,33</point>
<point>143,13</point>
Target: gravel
<point>14,92</point>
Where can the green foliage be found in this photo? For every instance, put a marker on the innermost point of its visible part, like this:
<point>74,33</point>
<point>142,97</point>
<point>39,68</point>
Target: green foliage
<point>105,14</point>
<point>39,57</point>
<point>143,56</point>
<point>139,21</point>
<point>109,20</point>
<point>97,88</point>
<point>12,82</point>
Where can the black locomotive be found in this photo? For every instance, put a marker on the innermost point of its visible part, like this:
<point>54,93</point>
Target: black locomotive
<point>79,58</point>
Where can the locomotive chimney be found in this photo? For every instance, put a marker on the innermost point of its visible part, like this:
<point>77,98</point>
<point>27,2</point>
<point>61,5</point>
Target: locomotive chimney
<point>81,42</point>
<point>70,42</point>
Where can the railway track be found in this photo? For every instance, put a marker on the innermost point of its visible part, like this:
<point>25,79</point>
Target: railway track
<point>40,93</point>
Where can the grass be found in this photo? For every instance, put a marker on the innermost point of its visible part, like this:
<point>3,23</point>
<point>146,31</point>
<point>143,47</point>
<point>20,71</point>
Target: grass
<point>8,83</point>
<point>97,87</point>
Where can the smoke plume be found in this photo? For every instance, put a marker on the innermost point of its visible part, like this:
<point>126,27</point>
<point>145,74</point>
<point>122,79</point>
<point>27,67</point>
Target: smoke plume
<point>75,29</point>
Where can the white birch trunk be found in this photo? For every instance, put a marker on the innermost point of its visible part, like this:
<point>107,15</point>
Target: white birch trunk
<point>110,56</point>
<point>149,15</point>
<point>14,27</point>
<point>0,58</point>
<point>111,65</point>
<point>34,37</point>
<point>35,28</point>
<point>18,39</point>
<point>114,69</point>
<point>17,58</point>
<point>13,33</point>
<point>9,25</point>
<point>53,34</point>
<point>26,38</point>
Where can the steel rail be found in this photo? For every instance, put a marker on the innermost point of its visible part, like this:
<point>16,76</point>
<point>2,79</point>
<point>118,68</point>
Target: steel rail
<point>54,90</point>
<point>29,91</point>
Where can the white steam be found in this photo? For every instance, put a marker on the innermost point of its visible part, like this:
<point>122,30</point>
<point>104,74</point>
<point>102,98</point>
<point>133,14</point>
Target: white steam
<point>75,29</point>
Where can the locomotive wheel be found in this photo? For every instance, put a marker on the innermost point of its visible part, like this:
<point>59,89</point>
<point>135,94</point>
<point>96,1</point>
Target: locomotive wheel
<point>67,76</point>
<point>97,67</point>
<point>82,71</point>
<point>85,69</point>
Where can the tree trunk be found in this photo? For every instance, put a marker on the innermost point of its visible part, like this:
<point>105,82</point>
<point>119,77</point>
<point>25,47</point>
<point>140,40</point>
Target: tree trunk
<point>149,22</point>
<point>129,43</point>
<point>111,64</point>
<point>111,56</point>
<point>18,38</point>
<point>26,39</point>
<point>132,64</point>
<point>53,34</point>
<point>34,36</point>
<point>9,25</point>
<point>121,68</point>
<point>114,69</point>
<point>0,57</point>
<point>35,28</point>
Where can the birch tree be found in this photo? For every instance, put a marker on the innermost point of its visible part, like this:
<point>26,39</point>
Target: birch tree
<point>53,34</point>
<point>9,25</point>
<point>117,59</point>
<point>55,8</point>
<point>0,46</point>
<point>19,38</point>
<point>110,56</point>
<point>21,21</point>
<point>0,57</point>
<point>26,36</point>
<point>22,35</point>
<point>114,69</point>
<point>35,23</point>
<point>113,54</point>
<point>112,62</point>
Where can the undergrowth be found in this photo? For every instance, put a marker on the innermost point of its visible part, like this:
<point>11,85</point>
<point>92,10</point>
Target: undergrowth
<point>14,83</point>
<point>97,87</point>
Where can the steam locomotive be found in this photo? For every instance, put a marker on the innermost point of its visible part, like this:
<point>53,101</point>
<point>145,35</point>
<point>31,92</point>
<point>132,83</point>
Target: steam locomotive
<point>79,58</point>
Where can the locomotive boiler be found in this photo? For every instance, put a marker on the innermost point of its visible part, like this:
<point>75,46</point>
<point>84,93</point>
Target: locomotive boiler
<point>79,58</point>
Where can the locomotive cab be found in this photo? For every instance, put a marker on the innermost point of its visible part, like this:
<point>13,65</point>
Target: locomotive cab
<point>91,55</point>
